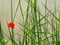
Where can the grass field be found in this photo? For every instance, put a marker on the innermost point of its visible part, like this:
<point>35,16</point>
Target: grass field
<point>36,25</point>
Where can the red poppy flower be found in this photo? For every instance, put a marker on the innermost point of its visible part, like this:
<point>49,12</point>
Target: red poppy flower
<point>11,25</point>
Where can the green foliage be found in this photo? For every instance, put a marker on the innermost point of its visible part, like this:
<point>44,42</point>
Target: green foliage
<point>35,32</point>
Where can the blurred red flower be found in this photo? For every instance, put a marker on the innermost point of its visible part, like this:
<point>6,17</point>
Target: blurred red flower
<point>11,25</point>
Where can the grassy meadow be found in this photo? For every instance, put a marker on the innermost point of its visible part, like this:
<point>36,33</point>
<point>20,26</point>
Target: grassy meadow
<point>30,22</point>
